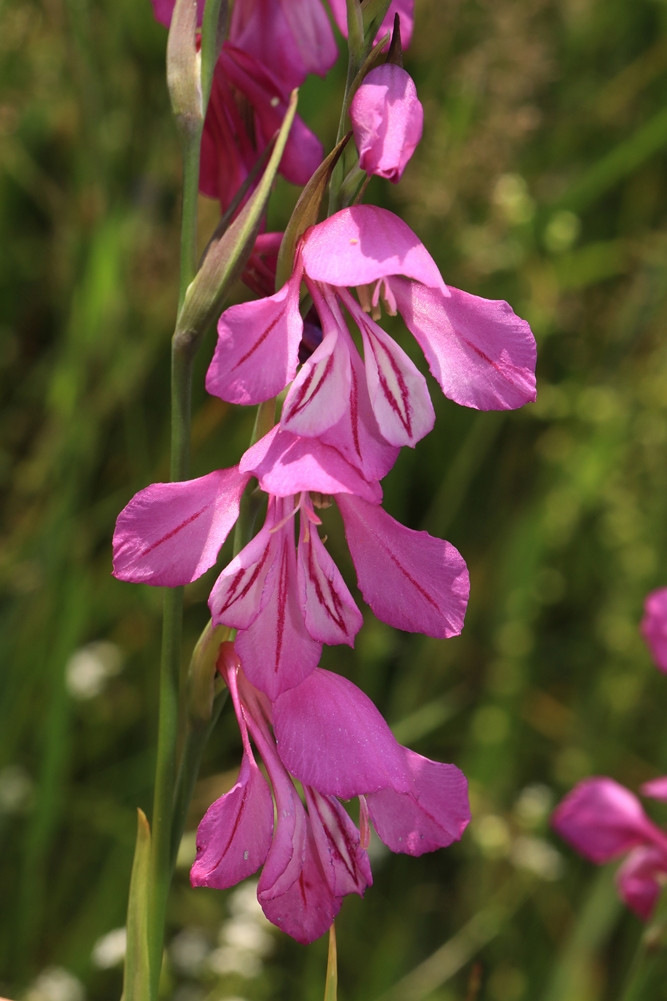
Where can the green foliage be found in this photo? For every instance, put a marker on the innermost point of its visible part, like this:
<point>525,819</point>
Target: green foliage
<point>540,180</point>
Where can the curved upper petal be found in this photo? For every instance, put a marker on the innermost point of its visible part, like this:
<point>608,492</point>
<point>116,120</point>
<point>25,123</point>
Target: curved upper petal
<point>287,464</point>
<point>482,353</point>
<point>432,815</point>
<point>170,533</point>
<point>360,244</point>
<point>410,579</point>
<point>256,354</point>
<point>331,736</point>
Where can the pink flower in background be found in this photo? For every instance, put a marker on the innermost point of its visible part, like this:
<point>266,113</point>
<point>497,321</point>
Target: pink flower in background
<point>330,737</point>
<point>654,626</point>
<point>292,37</point>
<point>387,119</point>
<point>164,9</point>
<point>249,94</point>
<point>602,820</point>
<point>287,598</point>
<point>480,352</point>
<point>246,108</point>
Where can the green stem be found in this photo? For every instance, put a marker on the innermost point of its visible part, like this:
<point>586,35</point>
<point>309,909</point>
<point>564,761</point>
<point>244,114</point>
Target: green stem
<point>648,972</point>
<point>170,701</point>
<point>165,773</point>
<point>191,142</point>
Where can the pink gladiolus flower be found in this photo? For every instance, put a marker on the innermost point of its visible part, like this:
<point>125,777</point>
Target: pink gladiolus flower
<point>480,352</point>
<point>246,108</point>
<point>287,599</point>
<point>249,98</point>
<point>602,820</point>
<point>387,120</point>
<point>292,37</point>
<point>654,626</point>
<point>327,734</point>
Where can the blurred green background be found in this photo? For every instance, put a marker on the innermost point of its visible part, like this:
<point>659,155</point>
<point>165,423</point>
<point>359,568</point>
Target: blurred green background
<point>540,180</point>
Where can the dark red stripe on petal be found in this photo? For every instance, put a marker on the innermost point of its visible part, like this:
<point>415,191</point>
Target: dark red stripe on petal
<point>174,531</point>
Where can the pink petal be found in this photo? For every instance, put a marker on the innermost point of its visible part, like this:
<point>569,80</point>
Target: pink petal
<point>654,626</point>
<point>170,533</point>
<point>320,393</point>
<point>293,37</point>
<point>293,891</point>
<point>276,650</point>
<point>387,119</point>
<point>601,819</point>
<point>357,435</point>
<point>344,862</point>
<point>234,836</point>
<point>655,788</point>
<point>397,390</point>
<point>331,614</point>
<point>640,880</point>
<point>256,354</point>
<point>432,815</point>
<point>410,579</point>
<point>479,350</point>
<point>330,736</point>
<point>286,464</point>
<point>363,243</point>
<point>239,592</point>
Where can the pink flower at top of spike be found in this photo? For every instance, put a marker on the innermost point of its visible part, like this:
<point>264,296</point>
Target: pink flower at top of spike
<point>287,598</point>
<point>603,820</point>
<point>330,737</point>
<point>387,119</point>
<point>654,626</point>
<point>292,37</point>
<point>249,98</point>
<point>480,352</point>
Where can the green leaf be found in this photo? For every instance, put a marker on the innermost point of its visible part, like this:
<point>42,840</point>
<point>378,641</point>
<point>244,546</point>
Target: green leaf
<point>136,980</point>
<point>331,986</point>
<point>306,211</point>
<point>227,256</point>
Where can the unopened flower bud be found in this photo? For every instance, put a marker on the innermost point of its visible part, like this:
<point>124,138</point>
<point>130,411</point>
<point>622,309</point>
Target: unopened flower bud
<point>387,119</point>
